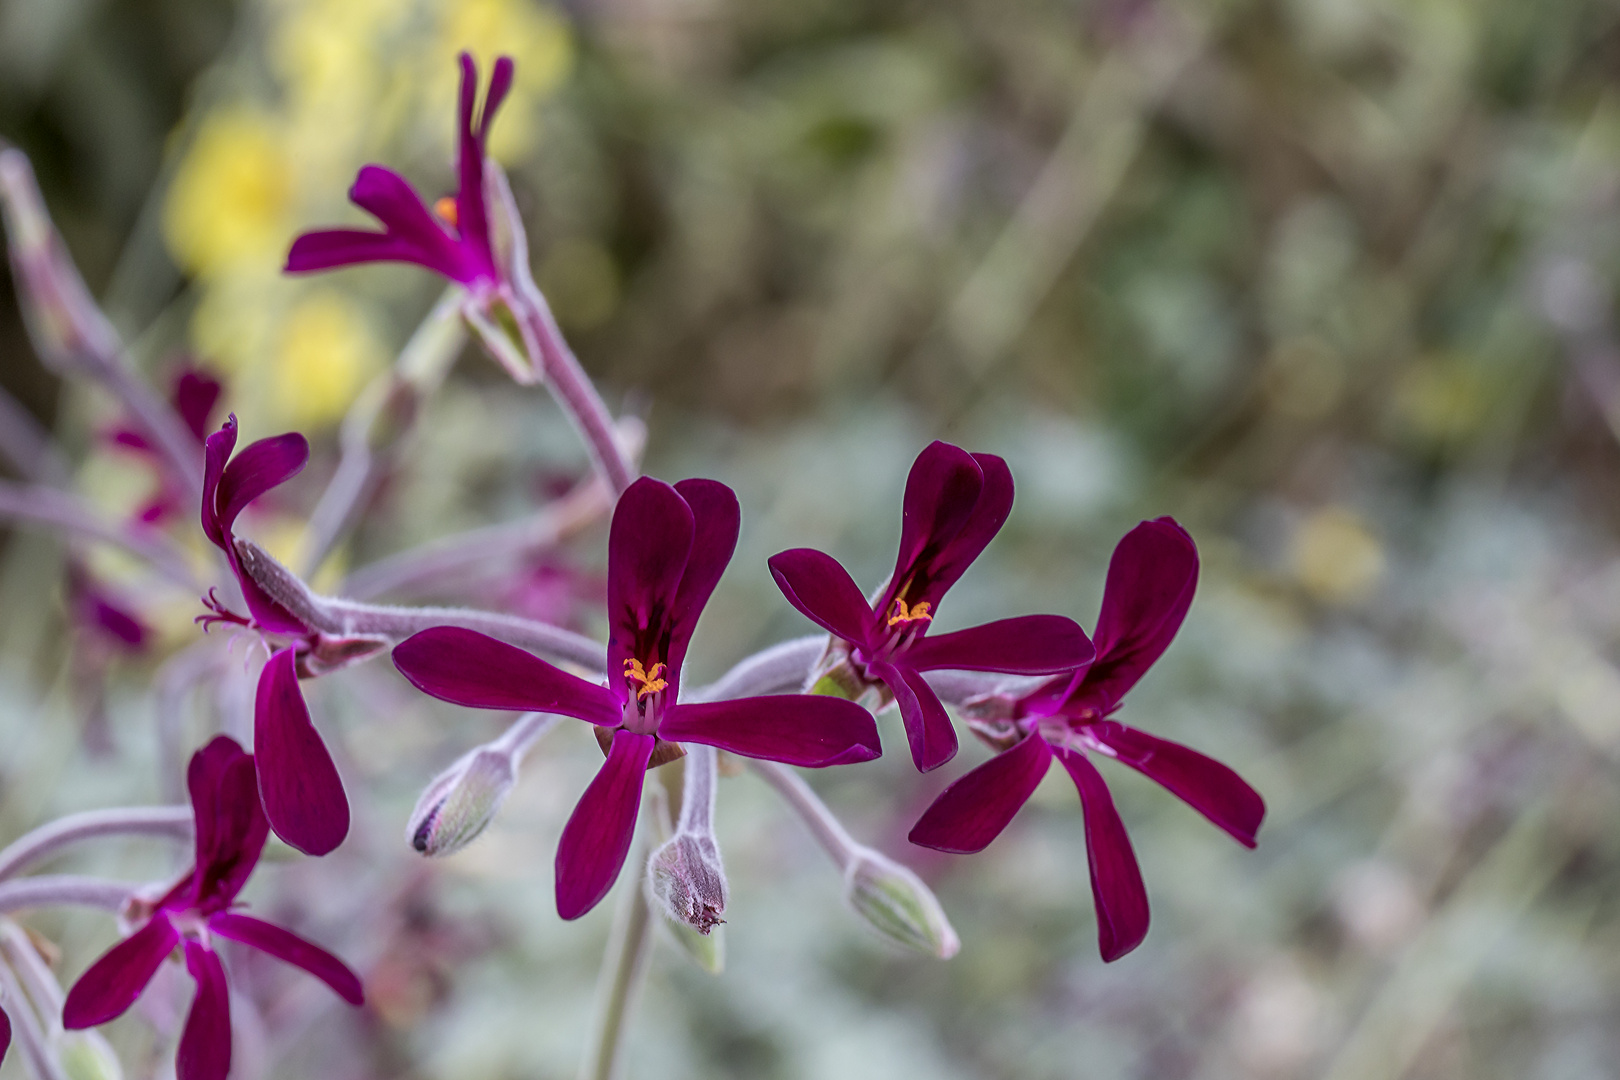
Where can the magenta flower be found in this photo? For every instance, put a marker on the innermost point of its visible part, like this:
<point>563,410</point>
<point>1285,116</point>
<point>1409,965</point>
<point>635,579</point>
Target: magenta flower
<point>193,398</point>
<point>410,231</point>
<point>302,792</point>
<point>667,548</point>
<point>231,831</point>
<point>1150,585</point>
<point>955,504</point>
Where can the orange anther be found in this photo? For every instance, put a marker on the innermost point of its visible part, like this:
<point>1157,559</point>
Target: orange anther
<point>647,682</point>
<point>446,209</point>
<point>917,612</point>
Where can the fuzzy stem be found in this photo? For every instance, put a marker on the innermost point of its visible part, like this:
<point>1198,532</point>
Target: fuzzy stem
<point>25,1024</point>
<point>47,840</point>
<point>38,505</point>
<point>773,670</point>
<point>51,889</point>
<point>27,445</point>
<point>823,825</point>
<point>624,970</point>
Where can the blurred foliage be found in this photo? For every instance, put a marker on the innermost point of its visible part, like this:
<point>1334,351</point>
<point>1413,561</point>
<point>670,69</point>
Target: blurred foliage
<point>1281,269</point>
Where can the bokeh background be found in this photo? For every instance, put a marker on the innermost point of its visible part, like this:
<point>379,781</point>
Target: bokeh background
<point>1327,280</point>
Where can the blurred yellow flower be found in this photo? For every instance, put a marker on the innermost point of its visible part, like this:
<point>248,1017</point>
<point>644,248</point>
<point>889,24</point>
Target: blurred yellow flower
<point>231,196</point>
<point>326,353</point>
<point>1336,557</point>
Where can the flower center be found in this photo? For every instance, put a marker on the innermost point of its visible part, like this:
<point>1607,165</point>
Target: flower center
<point>904,616</point>
<point>646,682</point>
<point>446,209</point>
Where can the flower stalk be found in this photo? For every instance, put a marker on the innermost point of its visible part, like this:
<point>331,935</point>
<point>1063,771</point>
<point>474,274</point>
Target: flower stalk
<point>47,841</point>
<point>38,505</point>
<point>624,972</point>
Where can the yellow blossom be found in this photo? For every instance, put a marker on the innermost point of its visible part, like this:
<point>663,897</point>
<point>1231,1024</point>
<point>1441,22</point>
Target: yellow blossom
<point>230,199</point>
<point>326,353</point>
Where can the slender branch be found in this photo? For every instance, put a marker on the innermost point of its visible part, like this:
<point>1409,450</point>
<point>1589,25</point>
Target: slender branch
<point>25,1023</point>
<point>624,970</point>
<point>774,670</point>
<point>49,890</point>
<point>492,545</point>
<point>47,840</point>
<point>822,823</point>
<point>380,420</point>
<point>27,445</point>
<point>38,505</point>
<point>349,618</point>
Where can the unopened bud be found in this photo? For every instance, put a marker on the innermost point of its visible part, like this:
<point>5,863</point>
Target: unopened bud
<point>85,1055</point>
<point>461,801</point>
<point>896,903</point>
<point>687,881</point>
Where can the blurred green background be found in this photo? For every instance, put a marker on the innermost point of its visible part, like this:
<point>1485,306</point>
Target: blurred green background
<point>1329,281</point>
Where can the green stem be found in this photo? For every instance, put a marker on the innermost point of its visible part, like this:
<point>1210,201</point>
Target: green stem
<point>624,969</point>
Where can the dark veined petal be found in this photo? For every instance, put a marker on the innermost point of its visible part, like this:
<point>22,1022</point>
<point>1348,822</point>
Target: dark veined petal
<point>205,1045</point>
<point>302,792</point>
<point>1026,645</point>
<point>809,730</point>
<point>1201,782</point>
<point>819,586</point>
<point>287,946</point>
<point>597,837</point>
<point>716,521</point>
<point>467,668</point>
<point>978,805</point>
<point>195,395</point>
<point>216,452</point>
<point>941,491</point>
<point>231,826</point>
<point>1116,880</point>
<point>989,514</point>
<point>1151,580</point>
<point>259,467</point>
<point>111,985</point>
<point>928,727</point>
<point>649,544</point>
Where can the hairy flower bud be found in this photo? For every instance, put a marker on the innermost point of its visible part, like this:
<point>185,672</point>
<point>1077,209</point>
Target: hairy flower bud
<point>461,801</point>
<point>896,903</point>
<point>686,879</point>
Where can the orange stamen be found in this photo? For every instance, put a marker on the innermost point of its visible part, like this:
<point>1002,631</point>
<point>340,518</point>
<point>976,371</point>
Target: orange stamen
<point>918,612</point>
<point>647,682</point>
<point>446,209</point>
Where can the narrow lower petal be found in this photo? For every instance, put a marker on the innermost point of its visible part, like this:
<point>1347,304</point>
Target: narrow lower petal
<point>287,946</point>
<point>259,467</point>
<point>819,586</point>
<point>597,837</point>
<point>649,543</point>
<point>467,668</point>
<point>231,826</point>
<point>1116,880</point>
<point>928,726</point>
<point>1027,645</point>
<point>298,782</point>
<point>716,521</point>
<point>110,986</point>
<point>1151,580</point>
<point>978,805</point>
<point>809,730</point>
<point>1199,781</point>
<point>331,249</point>
<point>205,1045</point>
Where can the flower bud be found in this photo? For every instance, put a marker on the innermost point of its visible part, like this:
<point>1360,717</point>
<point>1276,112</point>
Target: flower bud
<point>85,1055</point>
<point>686,880</point>
<point>896,903</point>
<point>461,801</point>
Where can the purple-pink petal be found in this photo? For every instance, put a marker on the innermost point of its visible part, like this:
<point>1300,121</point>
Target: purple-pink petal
<point>649,543</point>
<point>1116,880</point>
<point>298,782</point>
<point>288,947</point>
<point>259,467</point>
<point>978,805</point>
<point>329,249</point>
<point>5,1035</point>
<point>989,514</point>
<point>216,452</point>
<point>1026,645</point>
<point>716,520</point>
<point>205,1045</point>
<point>390,198</point>
<point>941,491</point>
<point>1201,782</point>
<point>467,668</point>
<point>928,727</point>
<point>1151,580</point>
<point>819,586</point>
<point>230,824</point>
<point>472,218</point>
<point>195,395</point>
<point>111,985</point>
<point>809,730</point>
<point>597,837</point>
